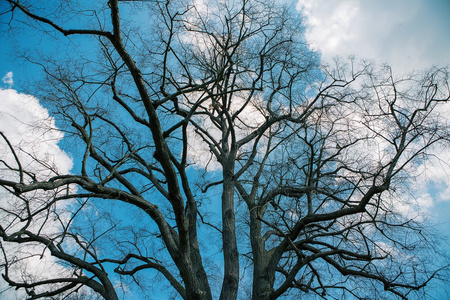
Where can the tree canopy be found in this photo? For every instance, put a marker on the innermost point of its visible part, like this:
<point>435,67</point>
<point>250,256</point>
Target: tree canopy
<point>214,156</point>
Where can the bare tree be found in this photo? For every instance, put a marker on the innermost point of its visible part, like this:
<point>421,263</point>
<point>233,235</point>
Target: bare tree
<point>176,110</point>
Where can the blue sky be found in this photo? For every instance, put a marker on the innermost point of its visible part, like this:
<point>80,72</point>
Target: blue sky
<point>410,35</point>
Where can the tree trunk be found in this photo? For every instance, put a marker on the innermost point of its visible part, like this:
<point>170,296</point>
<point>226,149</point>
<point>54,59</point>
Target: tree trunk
<point>263,275</point>
<point>230,251</point>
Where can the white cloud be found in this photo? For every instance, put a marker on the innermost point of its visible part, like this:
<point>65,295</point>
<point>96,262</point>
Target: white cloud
<point>328,33</point>
<point>409,35</point>
<point>445,195</point>
<point>8,79</point>
<point>32,133</point>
